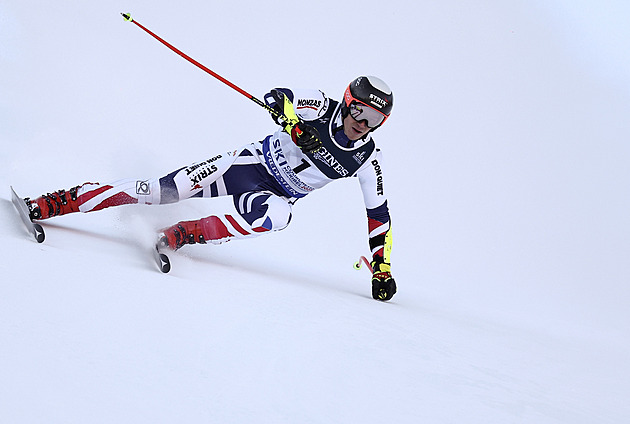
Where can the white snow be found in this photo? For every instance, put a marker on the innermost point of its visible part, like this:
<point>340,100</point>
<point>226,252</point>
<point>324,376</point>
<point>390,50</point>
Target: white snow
<point>508,174</point>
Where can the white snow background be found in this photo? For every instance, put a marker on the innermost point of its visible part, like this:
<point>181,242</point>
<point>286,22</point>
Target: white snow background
<point>507,156</point>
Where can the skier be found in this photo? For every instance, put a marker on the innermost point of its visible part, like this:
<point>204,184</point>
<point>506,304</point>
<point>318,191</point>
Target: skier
<point>332,140</point>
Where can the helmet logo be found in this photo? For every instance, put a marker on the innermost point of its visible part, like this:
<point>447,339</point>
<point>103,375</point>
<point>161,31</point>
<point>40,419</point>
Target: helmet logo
<point>377,101</point>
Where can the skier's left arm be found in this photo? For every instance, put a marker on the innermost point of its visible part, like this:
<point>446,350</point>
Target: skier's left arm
<point>371,178</point>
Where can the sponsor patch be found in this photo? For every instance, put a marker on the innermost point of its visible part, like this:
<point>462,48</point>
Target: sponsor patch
<point>359,157</point>
<point>326,157</point>
<point>202,170</point>
<point>143,188</point>
<point>309,104</point>
<point>379,177</point>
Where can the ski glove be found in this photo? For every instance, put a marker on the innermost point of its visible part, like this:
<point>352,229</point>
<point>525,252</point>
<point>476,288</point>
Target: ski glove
<point>275,99</point>
<point>306,137</point>
<point>383,285</point>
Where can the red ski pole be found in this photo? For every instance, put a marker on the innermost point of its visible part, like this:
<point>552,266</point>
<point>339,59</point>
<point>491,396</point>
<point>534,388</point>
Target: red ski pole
<point>357,264</point>
<point>290,120</point>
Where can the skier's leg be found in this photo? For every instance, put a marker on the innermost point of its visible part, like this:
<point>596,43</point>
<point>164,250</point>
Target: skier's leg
<point>240,171</point>
<point>90,197</point>
<point>259,212</point>
<point>186,182</point>
<point>84,198</point>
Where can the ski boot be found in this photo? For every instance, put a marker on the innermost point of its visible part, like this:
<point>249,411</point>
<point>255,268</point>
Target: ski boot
<point>53,204</point>
<point>180,234</point>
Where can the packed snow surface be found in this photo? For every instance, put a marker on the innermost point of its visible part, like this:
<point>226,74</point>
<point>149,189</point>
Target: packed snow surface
<point>506,159</point>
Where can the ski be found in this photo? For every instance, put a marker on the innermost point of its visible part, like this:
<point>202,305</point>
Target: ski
<point>34,228</point>
<point>162,261</point>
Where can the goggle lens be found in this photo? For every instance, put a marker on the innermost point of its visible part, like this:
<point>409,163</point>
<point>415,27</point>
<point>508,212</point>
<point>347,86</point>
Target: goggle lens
<point>361,112</point>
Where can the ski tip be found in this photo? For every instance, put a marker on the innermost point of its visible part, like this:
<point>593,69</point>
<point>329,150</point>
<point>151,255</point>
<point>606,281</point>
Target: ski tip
<point>127,17</point>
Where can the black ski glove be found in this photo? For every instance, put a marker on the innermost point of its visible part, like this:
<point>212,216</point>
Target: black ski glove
<point>306,137</point>
<point>383,284</point>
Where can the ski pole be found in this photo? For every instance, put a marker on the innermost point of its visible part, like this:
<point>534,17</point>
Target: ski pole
<point>291,120</point>
<point>357,265</point>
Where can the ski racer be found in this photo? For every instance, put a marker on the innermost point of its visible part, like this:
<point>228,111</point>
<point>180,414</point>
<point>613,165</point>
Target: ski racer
<point>331,140</point>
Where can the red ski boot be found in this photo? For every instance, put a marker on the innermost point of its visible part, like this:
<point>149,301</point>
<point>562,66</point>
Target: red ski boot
<point>180,234</point>
<point>53,204</point>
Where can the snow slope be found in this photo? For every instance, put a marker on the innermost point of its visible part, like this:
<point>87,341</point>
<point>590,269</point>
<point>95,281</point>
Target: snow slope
<point>507,160</point>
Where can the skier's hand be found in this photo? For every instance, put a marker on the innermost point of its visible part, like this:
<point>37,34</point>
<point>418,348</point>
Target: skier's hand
<point>275,99</point>
<point>306,137</point>
<point>383,284</point>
